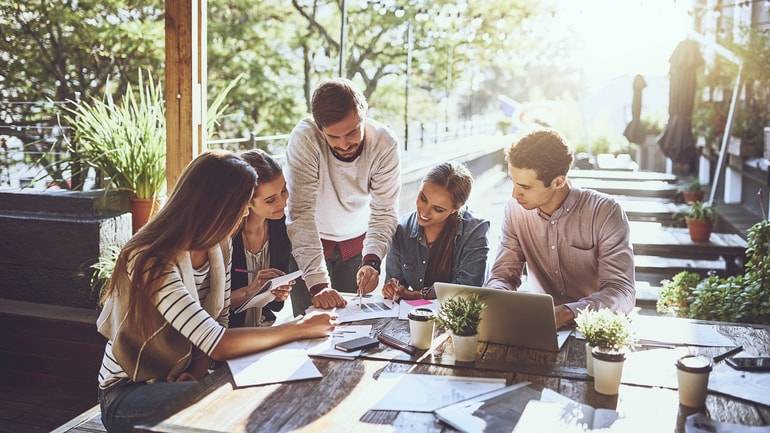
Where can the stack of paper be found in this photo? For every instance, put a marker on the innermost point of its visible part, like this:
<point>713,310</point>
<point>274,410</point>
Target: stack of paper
<point>426,393</point>
<point>272,366</point>
<point>367,307</point>
<point>325,348</point>
<point>670,330</point>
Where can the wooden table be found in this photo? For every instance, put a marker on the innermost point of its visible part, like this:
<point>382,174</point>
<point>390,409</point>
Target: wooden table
<point>652,239</point>
<point>621,175</point>
<point>655,189</point>
<point>339,401</point>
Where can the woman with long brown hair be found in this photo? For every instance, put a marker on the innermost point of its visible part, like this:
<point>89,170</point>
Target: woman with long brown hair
<point>261,248</point>
<point>440,241</point>
<point>167,305</point>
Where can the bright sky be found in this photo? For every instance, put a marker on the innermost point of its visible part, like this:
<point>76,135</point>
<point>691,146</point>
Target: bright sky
<point>622,37</point>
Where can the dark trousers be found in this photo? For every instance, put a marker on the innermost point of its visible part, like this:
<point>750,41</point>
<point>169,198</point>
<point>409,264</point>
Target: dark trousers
<point>342,274</point>
<point>127,404</point>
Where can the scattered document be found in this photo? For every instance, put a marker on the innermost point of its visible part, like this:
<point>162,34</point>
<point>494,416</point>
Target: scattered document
<point>654,367</point>
<point>494,412</point>
<point>325,347</point>
<point>264,295</point>
<point>406,307</point>
<point>670,330</point>
<point>699,423</point>
<point>370,307</point>
<point>426,393</point>
<point>273,366</point>
<point>544,416</point>
<point>752,386</point>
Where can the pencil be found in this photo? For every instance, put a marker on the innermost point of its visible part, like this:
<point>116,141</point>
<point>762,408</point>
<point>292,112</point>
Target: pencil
<point>727,354</point>
<point>246,271</point>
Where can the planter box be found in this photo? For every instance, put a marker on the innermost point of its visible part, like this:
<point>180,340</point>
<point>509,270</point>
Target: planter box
<point>49,240</point>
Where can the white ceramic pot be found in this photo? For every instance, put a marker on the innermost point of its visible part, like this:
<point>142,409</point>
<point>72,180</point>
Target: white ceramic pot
<point>465,347</point>
<point>608,369</point>
<point>589,359</point>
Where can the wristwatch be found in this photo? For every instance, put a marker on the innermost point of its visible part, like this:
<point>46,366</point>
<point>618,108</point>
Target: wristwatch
<point>373,261</point>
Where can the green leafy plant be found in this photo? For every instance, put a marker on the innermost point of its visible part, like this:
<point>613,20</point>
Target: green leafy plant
<point>605,329</point>
<point>674,293</point>
<point>693,185</point>
<point>700,211</point>
<point>461,314</point>
<point>103,268</point>
<point>126,140</point>
<point>651,126</point>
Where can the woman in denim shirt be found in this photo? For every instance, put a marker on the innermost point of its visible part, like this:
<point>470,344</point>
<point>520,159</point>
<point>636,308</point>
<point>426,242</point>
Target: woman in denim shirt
<point>440,241</point>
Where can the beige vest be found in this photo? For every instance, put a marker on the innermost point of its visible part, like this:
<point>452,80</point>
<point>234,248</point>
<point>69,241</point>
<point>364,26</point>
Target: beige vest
<point>166,352</point>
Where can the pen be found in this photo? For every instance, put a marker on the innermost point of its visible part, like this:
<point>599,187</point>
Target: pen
<point>245,271</point>
<point>728,354</point>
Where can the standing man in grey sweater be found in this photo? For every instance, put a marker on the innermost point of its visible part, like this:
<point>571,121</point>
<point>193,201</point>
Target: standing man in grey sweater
<point>343,179</point>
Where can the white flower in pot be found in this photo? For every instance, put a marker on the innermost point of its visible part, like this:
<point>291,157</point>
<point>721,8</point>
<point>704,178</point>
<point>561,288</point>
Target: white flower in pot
<point>610,336</point>
<point>461,316</point>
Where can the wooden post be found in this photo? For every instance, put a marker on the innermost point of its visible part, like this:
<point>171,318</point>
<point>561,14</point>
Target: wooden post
<point>185,85</point>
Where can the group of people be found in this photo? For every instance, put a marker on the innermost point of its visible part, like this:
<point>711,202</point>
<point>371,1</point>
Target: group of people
<point>235,221</point>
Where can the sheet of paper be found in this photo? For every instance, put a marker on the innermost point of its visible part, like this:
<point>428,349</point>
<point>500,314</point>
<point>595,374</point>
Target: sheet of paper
<point>419,302</point>
<point>325,347</point>
<point>699,423</point>
<point>263,296</point>
<point>670,330</point>
<point>426,393</point>
<point>654,367</point>
<point>545,416</point>
<point>562,336</point>
<point>752,386</point>
<point>282,364</point>
<point>406,307</point>
<point>371,307</point>
<point>494,412</point>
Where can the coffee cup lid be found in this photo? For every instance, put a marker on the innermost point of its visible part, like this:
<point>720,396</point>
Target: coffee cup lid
<point>694,364</point>
<point>421,314</point>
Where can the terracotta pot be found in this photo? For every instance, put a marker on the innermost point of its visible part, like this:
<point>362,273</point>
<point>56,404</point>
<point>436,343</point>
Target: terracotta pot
<point>691,197</point>
<point>141,211</point>
<point>700,231</point>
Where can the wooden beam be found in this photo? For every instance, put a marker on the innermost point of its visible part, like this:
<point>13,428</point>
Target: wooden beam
<point>185,91</point>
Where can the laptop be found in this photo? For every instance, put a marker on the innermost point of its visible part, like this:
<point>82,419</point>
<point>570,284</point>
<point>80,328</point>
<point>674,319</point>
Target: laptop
<point>513,318</point>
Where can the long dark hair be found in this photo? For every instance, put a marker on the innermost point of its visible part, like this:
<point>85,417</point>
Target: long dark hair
<point>267,168</point>
<point>206,205</point>
<point>457,180</point>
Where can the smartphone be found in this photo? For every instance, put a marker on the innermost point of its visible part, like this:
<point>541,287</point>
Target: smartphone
<point>752,364</point>
<point>395,343</point>
<point>356,344</point>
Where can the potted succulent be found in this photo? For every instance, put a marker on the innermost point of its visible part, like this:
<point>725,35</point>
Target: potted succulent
<point>610,338</point>
<point>126,141</point>
<point>461,316</point>
<point>700,221</point>
<point>693,191</point>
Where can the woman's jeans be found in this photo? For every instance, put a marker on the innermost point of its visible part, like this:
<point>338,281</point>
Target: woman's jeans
<point>127,404</point>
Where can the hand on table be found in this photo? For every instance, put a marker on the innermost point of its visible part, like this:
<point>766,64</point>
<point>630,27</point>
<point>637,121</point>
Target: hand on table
<point>395,291</point>
<point>328,298</point>
<point>317,324</point>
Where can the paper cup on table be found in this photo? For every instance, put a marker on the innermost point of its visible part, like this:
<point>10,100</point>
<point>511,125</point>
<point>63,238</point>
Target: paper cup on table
<point>693,375</point>
<point>608,370</point>
<point>421,328</point>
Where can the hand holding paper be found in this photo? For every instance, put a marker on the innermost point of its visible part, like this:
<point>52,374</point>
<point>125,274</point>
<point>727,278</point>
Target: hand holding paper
<point>264,295</point>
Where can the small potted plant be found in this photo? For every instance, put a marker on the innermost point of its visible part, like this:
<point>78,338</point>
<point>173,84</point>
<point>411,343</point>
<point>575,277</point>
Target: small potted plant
<point>611,337</point>
<point>693,191</point>
<point>461,316</point>
<point>700,221</point>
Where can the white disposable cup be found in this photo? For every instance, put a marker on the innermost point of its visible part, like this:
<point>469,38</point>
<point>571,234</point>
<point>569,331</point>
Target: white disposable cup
<point>692,372</point>
<point>608,370</point>
<point>421,328</point>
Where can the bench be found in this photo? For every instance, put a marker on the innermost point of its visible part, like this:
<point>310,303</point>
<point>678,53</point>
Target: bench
<point>621,175</point>
<point>653,189</point>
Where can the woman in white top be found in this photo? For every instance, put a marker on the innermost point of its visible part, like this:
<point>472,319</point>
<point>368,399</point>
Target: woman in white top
<point>166,308</point>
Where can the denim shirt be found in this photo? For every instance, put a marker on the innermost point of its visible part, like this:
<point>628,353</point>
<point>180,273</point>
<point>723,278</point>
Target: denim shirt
<point>408,256</point>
